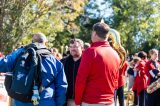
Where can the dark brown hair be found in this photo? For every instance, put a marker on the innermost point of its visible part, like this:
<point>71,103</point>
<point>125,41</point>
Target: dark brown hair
<point>81,43</point>
<point>101,29</point>
<point>142,55</point>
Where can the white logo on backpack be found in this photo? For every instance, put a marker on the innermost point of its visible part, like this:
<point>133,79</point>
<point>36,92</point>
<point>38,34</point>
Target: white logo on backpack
<point>19,75</point>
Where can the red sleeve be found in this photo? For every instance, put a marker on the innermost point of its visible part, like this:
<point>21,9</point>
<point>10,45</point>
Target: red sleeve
<point>141,67</point>
<point>82,75</point>
<point>148,67</point>
<point>121,79</point>
<point>124,68</point>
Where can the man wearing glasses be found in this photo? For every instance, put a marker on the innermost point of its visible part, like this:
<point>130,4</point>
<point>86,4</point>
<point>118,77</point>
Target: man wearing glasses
<point>71,64</point>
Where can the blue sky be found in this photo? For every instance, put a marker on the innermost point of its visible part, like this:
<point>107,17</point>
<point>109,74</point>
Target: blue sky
<point>105,11</point>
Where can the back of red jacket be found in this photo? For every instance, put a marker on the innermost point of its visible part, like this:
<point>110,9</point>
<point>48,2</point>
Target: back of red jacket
<point>141,76</point>
<point>97,75</point>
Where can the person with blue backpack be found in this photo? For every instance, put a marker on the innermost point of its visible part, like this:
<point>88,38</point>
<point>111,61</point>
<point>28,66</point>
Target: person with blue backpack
<point>34,77</point>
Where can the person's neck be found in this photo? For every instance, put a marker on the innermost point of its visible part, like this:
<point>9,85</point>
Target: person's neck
<point>37,43</point>
<point>76,58</point>
<point>99,41</point>
<point>153,60</point>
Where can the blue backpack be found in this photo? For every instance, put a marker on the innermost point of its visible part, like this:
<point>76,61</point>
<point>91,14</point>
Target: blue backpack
<point>26,73</point>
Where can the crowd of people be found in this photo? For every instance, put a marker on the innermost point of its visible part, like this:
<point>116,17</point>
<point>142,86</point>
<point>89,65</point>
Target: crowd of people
<point>91,74</point>
<point>143,72</point>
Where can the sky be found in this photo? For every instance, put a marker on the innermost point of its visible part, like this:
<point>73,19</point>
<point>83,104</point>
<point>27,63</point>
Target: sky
<point>105,10</point>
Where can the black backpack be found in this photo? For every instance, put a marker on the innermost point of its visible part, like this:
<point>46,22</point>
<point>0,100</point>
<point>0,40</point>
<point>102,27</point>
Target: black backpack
<point>26,73</point>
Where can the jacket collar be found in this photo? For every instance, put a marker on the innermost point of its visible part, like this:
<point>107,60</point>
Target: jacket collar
<point>71,58</point>
<point>101,43</point>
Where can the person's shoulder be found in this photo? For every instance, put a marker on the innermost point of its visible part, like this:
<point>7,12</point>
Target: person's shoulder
<point>148,62</point>
<point>126,63</point>
<point>53,60</point>
<point>65,58</point>
<point>17,51</point>
<point>90,50</point>
<point>142,62</point>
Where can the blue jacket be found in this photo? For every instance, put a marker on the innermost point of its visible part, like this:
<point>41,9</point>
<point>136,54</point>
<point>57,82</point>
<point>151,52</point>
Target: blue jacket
<point>52,69</point>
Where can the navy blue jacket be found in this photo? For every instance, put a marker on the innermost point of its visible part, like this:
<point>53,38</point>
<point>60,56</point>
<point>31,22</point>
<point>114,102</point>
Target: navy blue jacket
<point>52,69</point>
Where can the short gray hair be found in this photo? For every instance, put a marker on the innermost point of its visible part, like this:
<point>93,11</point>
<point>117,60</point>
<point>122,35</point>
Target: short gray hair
<point>39,38</point>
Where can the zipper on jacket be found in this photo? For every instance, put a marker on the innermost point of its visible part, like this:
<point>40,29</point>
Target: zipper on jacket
<point>26,81</point>
<point>73,79</point>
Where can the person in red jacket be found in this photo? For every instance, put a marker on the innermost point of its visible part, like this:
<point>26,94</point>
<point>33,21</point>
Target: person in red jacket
<point>135,61</point>
<point>97,75</point>
<point>121,83</point>
<point>153,72</point>
<point>141,79</point>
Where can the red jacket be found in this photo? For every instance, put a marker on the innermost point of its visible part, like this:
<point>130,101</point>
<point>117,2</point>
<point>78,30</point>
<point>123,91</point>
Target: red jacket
<point>141,78</point>
<point>140,81</point>
<point>149,66</point>
<point>97,75</point>
<point>121,79</point>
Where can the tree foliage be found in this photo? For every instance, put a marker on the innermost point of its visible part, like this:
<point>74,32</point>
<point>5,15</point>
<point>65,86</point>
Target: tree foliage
<point>92,14</point>
<point>136,20</point>
<point>19,19</point>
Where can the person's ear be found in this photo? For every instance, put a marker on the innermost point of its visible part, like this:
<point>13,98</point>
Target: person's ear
<point>46,44</point>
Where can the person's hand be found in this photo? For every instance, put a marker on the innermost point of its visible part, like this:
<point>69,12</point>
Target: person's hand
<point>2,74</point>
<point>77,105</point>
<point>134,70</point>
<point>146,77</point>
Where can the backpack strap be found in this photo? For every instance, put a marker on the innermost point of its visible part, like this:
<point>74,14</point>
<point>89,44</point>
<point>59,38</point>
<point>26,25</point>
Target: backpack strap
<point>38,72</point>
<point>44,52</point>
<point>41,52</point>
<point>40,49</point>
<point>22,52</point>
<point>49,84</point>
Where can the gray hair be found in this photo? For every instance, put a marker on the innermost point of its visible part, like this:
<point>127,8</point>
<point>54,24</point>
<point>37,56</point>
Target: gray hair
<point>39,38</point>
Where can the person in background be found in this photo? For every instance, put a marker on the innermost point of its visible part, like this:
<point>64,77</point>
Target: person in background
<point>71,65</point>
<point>130,74</point>
<point>1,55</point>
<point>86,45</point>
<point>141,79</point>
<point>136,61</point>
<point>121,82</point>
<point>153,72</point>
<point>55,52</point>
<point>66,51</point>
<point>97,75</point>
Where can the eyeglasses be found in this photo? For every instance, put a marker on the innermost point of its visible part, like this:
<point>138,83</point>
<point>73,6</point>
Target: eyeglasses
<point>73,46</point>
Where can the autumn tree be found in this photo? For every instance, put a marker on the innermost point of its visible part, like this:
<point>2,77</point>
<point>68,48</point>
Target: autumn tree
<point>19,19</point>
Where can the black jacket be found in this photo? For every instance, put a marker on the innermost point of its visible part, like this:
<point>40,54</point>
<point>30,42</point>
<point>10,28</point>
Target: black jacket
<point>70,68</point>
